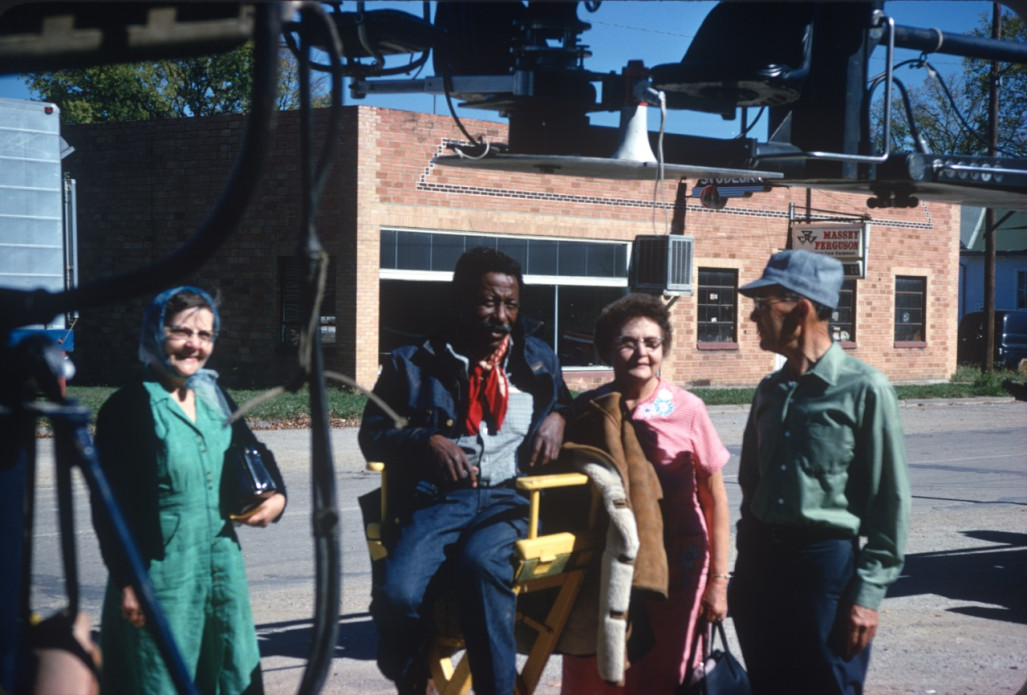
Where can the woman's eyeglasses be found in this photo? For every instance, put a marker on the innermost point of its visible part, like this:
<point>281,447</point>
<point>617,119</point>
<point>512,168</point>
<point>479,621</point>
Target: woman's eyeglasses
<point>628,344</point>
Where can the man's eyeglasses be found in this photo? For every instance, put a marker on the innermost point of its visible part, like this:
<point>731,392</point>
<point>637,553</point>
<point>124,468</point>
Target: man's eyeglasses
<point>180,334</point>
<point>628,344</point>
<point>766,302</point>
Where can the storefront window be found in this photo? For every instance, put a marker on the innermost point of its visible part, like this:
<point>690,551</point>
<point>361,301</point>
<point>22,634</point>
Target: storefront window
<point>567,283</point>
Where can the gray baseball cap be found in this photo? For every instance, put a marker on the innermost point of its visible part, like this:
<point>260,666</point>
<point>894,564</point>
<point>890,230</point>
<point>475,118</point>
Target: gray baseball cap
<point>811,275</point>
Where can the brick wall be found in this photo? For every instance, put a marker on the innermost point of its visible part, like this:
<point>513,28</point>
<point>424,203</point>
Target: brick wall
<point>412,193</point>
<point>144,187</point>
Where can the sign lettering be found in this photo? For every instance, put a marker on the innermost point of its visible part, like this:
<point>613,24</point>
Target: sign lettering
<point>846,241</point>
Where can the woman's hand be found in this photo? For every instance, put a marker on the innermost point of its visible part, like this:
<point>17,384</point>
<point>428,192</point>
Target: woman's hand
<point>714,600</point>
<point>713,501</point>
<point>130,609</point>
<point>266,512</point>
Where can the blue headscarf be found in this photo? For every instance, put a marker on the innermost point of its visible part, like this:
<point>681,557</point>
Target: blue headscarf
<point>153,354</point>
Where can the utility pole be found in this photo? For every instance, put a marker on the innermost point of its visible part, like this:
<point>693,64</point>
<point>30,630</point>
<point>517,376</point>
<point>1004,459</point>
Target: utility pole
<point>989,213</point>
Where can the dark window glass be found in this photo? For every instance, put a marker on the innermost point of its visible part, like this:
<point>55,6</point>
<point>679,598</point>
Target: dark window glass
<point>910,297</point>
<point>717,305</point>
<point>401,250</point>
<point>410,311</point>
<point>606,260</point>
<point>470,242</point>
<point>292,307</point>
<point>843,323</point>
<point>387,249</point>
<point>516,249</point>
<point>573,257</point>
<point>578,308</point>
<point>413,251</point>
<point>446,251</point>
<point>538,302</point>
<point>542,258</point>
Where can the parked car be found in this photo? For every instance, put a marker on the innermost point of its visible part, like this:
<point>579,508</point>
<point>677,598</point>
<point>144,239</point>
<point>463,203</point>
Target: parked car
<point>1010,338</point>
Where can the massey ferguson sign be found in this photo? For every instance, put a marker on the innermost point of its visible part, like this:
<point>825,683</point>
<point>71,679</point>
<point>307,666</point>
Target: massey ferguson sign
<point>846,241</point>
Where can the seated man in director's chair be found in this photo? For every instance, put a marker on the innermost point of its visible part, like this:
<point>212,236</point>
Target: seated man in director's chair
<point>481,401</point>
<point>577,577</point>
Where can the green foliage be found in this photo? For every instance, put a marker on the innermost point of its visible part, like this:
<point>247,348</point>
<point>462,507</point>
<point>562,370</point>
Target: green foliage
<point>1012,126</point>
<point>204,86</point>
<point>725,396</point>
<point>936,117</point>
<point>344,405</point>
<point>102,94</point>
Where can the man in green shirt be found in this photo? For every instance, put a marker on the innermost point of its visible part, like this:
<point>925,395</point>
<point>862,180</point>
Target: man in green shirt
<point>823,465</point>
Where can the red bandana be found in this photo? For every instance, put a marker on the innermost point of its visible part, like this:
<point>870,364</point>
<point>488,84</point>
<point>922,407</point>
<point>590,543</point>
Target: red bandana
<point>487,396</point>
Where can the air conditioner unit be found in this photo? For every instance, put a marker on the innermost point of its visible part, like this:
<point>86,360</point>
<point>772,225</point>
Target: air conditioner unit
<point>662,263</point>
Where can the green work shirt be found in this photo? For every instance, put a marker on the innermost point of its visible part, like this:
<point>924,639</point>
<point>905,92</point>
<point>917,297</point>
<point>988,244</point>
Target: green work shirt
<point>826,451</point>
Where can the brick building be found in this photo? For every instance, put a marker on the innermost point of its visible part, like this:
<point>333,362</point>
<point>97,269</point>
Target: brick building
<point>393,224</point>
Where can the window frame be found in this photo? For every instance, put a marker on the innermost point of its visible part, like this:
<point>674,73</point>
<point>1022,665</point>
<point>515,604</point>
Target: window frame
<point>848,290</point>
<point>614,261</point>
<point>922,306</point>
<point>702,290</point>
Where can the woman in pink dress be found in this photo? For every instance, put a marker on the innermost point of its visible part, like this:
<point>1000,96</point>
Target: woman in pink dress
<point>633,334</point>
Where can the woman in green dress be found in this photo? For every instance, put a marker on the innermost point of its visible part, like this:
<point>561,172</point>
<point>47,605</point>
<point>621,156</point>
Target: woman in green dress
<point>162,441</point>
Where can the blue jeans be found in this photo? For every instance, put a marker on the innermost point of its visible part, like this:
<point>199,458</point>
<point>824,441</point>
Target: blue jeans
<point>460,541</point>
<point>784,598</point>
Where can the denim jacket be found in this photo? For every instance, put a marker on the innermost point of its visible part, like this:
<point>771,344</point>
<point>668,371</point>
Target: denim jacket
<point>427,385</point>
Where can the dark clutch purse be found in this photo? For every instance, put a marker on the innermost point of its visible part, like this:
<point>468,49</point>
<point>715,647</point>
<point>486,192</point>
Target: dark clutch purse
<point>245,481</point>
<point>722,674</point>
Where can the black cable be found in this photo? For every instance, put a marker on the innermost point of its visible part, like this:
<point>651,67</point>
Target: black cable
<point>355,68</point>
<point>914,132</point>
<point>483,146</point>
<point>313,260</point>
<point>967,130</point>
<point>751,125</point>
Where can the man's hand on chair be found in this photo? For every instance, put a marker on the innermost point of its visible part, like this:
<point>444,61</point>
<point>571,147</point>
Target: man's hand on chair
<point>548,440</point>
<point>451,463</point>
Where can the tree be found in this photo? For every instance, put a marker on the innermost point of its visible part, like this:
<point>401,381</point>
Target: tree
<point>960,125</point>
<point>203,86</point>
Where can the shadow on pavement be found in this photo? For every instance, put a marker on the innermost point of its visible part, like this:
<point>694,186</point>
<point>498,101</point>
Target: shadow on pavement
<point>357,638</point>
<point>990,575</point>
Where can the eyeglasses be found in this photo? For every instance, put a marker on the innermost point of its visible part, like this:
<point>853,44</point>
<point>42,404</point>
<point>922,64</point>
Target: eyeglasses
<point>180,334</point>
<point>628,344</point>
<point>765,302</point>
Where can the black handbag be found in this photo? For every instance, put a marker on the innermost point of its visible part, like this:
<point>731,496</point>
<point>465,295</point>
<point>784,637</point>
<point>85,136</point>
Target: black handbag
<point>721,673</point>
<point>245,481</point>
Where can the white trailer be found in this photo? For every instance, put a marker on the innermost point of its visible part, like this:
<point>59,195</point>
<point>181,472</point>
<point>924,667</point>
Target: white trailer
<point>37,209</point>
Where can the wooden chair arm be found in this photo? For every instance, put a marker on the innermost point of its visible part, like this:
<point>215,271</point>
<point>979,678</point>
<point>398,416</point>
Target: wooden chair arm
<point>535,484</point>
<point>532,484</point>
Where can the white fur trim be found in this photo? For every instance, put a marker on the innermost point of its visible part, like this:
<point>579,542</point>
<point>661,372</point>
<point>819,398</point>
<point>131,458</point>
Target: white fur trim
<point>617,569</point>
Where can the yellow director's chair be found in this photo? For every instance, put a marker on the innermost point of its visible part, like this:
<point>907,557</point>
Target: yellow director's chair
<point>553,562</point>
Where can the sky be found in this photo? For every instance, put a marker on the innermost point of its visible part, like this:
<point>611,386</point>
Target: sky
<point>658,32</point>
